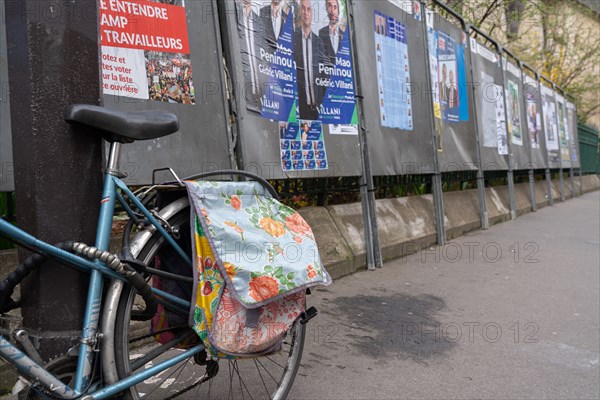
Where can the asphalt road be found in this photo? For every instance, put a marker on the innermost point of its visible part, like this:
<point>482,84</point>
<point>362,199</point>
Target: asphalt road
<point>508,313</point>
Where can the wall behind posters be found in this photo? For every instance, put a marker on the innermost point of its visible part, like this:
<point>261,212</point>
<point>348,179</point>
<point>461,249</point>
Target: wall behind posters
<point>535,128</point>
<point>491,115</point>
<point>550,126</point>
<point>393,72</point>
<point>452,95</point>
<point>6,159</point>
<point>516,116</point>
<point>294,82</point>
<point>153,59</point>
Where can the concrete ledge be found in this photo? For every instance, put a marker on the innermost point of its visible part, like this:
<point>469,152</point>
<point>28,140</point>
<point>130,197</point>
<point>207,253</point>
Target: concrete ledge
<point>541,193</point>
<point>461,211</point>
<point>334,251</point>
<point>405,225</point>
<point>498,205</point>
<point>590,183</point>
<point>348,218</point>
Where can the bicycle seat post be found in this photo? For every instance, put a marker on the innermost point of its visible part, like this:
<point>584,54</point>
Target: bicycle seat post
<point>114,157</point>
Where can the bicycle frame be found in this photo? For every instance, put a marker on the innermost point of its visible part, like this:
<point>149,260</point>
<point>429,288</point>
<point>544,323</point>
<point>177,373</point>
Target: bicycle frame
<point>90,336</point>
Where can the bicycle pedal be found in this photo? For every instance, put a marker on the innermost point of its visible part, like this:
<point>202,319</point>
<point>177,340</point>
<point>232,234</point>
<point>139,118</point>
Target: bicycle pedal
<point>308,315</point>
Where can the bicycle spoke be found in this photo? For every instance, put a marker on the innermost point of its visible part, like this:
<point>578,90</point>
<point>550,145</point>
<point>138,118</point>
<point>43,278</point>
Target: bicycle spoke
<point>261,378</point>
<point>268,373</point>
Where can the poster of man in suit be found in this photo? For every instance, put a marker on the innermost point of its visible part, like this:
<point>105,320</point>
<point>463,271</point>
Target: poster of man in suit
<point>301,44</point>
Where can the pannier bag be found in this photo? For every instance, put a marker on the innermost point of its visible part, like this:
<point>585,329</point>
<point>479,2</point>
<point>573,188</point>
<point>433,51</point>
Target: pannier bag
<point>254,259</point>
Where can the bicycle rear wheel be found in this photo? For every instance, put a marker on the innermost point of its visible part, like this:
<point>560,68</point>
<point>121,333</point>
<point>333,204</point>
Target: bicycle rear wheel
<point>136,348</point>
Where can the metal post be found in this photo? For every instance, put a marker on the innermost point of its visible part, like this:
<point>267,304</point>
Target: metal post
<point>53,62</point>
<point>483,213</point>
<point>581,181</point>
<point>373,248</point>
<point>510,175</point>
<point>532,190</point>
<point>436,181</point>
<point>549,187</point>
<point>572,177</point>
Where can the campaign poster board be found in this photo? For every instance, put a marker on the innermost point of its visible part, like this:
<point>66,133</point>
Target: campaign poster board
<point>449,61</point>
<point>491,114</point>
<point>550,117</point>
<point>390,38</point>
<point>535,128</point>
<point>516,116</point>
<point>166,55</point>
<point>291,66</point>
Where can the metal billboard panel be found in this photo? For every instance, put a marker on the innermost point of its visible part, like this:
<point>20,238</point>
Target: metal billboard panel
<point>453,97</point>
<point>491,117</point>
<point>393,79</point>
<point>563,131</point>
<point>203,142</point>
<point>550,126</point>
<point>517,117</point>
<point>270,105</point>
<point>6,159</point>
<point>573,135</point>
<point>535,128</point>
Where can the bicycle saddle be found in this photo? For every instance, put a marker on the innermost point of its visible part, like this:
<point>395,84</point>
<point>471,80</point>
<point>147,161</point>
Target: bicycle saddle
<point>120,126</point>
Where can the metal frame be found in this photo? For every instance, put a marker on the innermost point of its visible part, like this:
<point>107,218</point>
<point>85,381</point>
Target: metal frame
<point>98,271</point>
<point>578,149</point>
<point>548,172</point>
<point>556,88</point>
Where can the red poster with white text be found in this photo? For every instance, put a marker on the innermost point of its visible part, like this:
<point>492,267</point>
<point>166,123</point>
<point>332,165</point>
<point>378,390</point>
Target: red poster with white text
<point>145,50</point>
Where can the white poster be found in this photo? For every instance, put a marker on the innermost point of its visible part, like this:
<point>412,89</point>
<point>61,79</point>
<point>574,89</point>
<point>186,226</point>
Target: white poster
<point>501,121</point>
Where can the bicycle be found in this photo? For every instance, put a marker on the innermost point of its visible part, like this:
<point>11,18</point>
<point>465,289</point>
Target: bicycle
<point>118,355</point>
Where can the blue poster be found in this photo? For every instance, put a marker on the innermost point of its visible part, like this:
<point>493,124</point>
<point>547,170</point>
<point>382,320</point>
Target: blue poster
<point>393,73</point>
<point>339,103</point>
<point>298,65</point>
<point>452,86</point>
<point>302,146</point>
<point>279,99</point>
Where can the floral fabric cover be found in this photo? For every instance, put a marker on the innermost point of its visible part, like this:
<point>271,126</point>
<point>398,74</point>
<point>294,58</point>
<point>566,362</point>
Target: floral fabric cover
<point>273,286</point>
<point>263,248</point>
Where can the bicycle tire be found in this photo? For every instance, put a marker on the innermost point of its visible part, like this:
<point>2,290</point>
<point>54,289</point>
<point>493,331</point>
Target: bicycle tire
<point>265,377</point>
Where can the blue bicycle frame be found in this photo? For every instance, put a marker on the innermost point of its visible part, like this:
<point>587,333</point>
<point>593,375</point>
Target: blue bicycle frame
<point>90,337</point>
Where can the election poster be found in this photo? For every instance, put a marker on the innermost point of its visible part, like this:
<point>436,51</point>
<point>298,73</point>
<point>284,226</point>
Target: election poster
<point>550,124</point>
<point>393,73</point>
<point>501,121</point>
<point>302,146</point>
<point>563,131</point>
<point>534,119</point>
<point>572,125</point>
<point>297,62</point>
<point>452,82</point>
<point>145,50</point>
<point>488,110</point>
<point>514,113</point>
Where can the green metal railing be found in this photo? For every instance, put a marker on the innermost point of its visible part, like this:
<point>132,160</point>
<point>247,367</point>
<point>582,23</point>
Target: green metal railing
<point>589,148</point>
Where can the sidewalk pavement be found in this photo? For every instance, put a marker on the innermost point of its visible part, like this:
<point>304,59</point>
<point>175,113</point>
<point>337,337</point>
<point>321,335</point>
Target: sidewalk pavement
<point>508,313</point>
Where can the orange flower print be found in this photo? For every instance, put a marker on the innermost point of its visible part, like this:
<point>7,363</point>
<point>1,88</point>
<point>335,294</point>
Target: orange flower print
<point>230,268</point>
<point>235,226</point>
<point>298,239</point>
<point>205,215</point>
<point>310,272</point>
<point>263,288</point>
<point>272,227</point>
<point>297,224</point>
<point>236,203</point>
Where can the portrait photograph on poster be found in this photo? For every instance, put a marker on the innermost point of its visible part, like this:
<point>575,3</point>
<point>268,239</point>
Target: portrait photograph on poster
<point>296,60</point>
<point>514,113</point>
<point>534,121</point>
